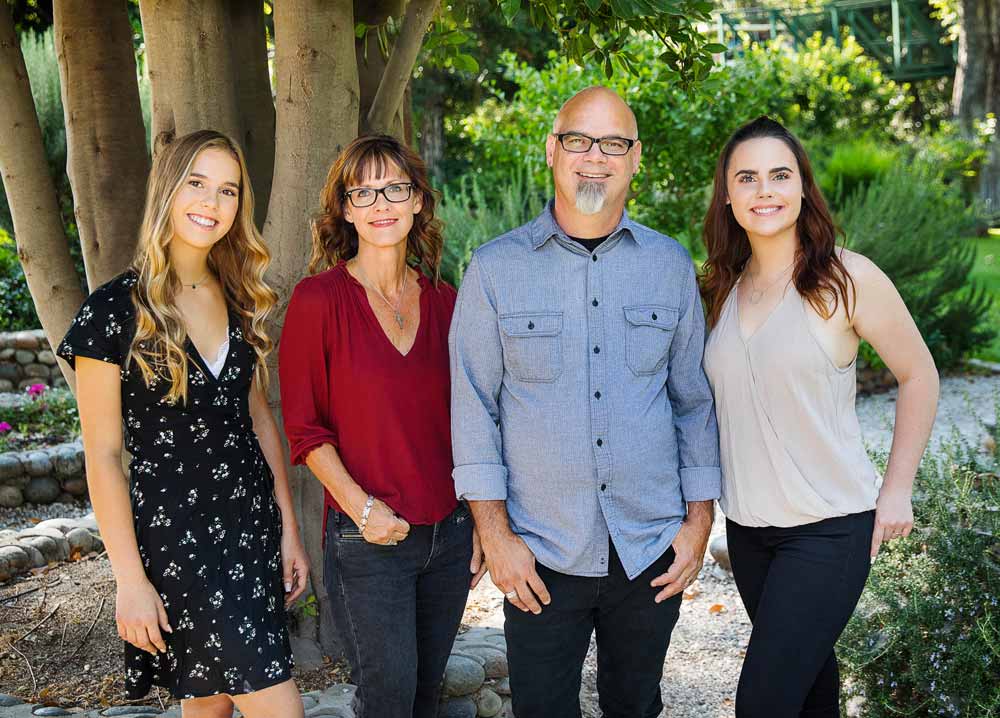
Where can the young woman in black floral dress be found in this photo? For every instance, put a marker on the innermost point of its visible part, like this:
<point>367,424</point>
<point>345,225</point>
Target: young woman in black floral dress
<point>202,537</point>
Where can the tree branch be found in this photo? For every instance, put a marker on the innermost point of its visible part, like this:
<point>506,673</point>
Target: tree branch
<point>38,229</point>
<point>398,69</point>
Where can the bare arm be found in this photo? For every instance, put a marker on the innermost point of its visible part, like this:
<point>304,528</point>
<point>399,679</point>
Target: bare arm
<point>295,564</point>
<point>139,612</point>
<point>881,318</point>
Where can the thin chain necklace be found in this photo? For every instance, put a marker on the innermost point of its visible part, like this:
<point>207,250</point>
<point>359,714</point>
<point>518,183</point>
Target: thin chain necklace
<point>200,282</point>
<point>757,295</point>
<point>402,290</point>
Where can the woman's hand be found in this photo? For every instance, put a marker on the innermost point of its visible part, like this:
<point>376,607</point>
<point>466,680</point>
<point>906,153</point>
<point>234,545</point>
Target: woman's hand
<point>893,516</point>
<point>140,615</point>
<point>294,566</point>
<point>383,526</point>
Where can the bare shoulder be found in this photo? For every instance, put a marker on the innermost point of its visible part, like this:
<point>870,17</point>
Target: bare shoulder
<point>864,272</point>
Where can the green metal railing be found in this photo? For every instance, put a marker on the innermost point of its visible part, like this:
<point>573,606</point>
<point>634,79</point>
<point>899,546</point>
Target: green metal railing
<point>899,33</point>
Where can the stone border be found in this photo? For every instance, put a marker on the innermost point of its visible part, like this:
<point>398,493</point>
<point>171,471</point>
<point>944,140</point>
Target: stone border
<point>48,542</point>
<point>41,476</point>
<point>27,358</point>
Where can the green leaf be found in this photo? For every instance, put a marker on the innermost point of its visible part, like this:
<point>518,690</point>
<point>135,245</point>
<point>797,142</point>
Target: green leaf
<point>360,29</point>
<point>715,48</point>
<point>594,5</point>
<point>465,63</point>
<point>510,8</point>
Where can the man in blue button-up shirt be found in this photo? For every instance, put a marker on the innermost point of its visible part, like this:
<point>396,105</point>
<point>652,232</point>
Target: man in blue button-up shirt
<point>583,425</point>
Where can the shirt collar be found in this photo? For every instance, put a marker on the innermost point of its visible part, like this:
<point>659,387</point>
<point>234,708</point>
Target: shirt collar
<point>544,227</point>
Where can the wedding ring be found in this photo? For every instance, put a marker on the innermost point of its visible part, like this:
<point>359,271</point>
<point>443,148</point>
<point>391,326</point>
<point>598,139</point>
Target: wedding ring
<point>511,595</point>
<point>391,542</point>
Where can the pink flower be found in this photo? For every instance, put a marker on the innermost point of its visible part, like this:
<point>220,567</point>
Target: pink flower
<point>4,426</point>
<point>36,390</point>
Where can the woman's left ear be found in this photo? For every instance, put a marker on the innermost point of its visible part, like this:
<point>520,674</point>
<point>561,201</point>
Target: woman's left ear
<point>418,204</point>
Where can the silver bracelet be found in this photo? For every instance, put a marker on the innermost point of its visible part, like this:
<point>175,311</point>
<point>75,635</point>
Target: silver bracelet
<point>364,514</point>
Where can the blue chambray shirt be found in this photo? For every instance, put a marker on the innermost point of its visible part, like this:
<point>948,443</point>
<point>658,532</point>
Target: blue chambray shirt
<point>578,394</point>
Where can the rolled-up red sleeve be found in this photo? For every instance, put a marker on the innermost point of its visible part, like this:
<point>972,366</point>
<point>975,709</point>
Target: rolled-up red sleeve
<point>303,370</point>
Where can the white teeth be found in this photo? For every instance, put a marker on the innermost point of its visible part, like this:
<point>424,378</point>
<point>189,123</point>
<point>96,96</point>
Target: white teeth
<point>202,221</point>
<point>590,176</point>
<point>765,210</point>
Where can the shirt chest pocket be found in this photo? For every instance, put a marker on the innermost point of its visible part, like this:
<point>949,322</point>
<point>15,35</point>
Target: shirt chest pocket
<point>532,345</point>
<point>649,328</point>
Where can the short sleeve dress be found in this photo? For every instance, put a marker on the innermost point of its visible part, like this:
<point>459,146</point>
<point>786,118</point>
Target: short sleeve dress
<point>208,527</point>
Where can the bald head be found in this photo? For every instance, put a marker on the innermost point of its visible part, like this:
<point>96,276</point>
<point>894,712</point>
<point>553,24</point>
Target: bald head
<point>592,102</point>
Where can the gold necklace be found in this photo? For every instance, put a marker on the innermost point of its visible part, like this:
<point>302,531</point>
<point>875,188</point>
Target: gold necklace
<point>200,282</point>
<point>402,290</point>
<point>757,295</point>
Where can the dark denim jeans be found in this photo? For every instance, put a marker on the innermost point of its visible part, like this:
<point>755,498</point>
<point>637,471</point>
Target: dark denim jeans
<point>398,608</point>
<point>546,652</point>
<point>800,585</point>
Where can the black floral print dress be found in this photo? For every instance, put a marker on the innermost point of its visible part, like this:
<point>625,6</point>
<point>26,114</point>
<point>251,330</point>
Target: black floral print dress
<point>208,527</point>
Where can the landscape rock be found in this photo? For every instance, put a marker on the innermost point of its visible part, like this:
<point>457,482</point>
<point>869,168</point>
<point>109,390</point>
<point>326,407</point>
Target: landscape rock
<point>37,370</point>
<point>36,556</point>
<point>131,711</point>
<point>37,463</point>
<point>46,356</point>
<point>463,676</point>
<point>720,552</point>
<point>17,559</point>
<point>494,659</point>
<point>306,652</point>
<point>488,703</point>
<point>67,463</point>
<point>51,549</point>
<point>42,490</point>
<point>11,497</point>
<point>23,356</point>
<point>457,708</point>
<point>502,687</point>
<point>89,522</point>
<point>64,526</point>
<point>10,466</point>
<point>75,487</point>
<point>80,539</point>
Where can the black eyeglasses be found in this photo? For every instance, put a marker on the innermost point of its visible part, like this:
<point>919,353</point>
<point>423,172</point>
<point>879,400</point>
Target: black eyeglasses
<point>366,196</point>
<point>580,143</point>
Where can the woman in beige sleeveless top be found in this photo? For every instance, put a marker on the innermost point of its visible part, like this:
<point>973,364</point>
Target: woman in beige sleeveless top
<point>806,510</point>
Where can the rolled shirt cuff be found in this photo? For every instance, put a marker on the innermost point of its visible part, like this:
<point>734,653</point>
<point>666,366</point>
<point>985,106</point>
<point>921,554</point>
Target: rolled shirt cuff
<point>481,482</point>
<point>701,483</point>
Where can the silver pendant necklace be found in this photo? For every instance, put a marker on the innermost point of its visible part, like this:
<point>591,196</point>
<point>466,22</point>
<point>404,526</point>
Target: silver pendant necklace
<point>402,291</point>
<point>200,282</point>
<point>756,295</point>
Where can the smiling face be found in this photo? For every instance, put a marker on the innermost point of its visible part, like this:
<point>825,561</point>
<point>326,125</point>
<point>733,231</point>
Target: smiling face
<point>384,223</point>
<point>207,202</point>
<point>764,187</point>
<point>591,182</point>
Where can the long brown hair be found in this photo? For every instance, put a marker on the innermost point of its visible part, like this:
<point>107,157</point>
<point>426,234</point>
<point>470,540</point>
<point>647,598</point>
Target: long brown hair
<point>239,260</point>
<point>819,275</point>
<point>335,239</point>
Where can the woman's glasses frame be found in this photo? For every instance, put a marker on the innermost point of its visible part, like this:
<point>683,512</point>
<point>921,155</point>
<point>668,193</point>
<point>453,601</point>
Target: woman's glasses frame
<point>384,191</point>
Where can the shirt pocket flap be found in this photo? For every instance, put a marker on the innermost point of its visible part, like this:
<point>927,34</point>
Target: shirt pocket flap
<point>651,315</point>
<point>532,324</point>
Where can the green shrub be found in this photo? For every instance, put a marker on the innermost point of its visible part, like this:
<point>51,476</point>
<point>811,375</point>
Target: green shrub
<point>925,639</point>
<point>912,226</point>
<point>17,310</point>
<point>473,216</point>
<point>853,166</point>
<point>50,417</point>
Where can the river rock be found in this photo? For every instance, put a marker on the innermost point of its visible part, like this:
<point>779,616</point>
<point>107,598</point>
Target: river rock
<point>80,539</point>
<point>10,372</point>
<point>23,356</point>
<point>502,686</point>
<point>36,556</point>
<point>51,711</point>
<point>7,701</point>
<point>67,463</point>
<point>64,526</point>
<point>16,558</point>
<point>11,497</point>
<point>10,466</point>
<point>37,463</point>
<point>53,550</point>
<point>42,490</point>
<point>47,357</point>
<point>508,709</point>
<point>488,703</point>
<point>463,707</point>
<point>462,676</point>
<point>39,371</point>
<point>131,711</point>
<point>494,659</point>
<point>6,384</point>
<point>5,355</point>
<point>25,339</point>
<point>7,536</point>
<point>75,487</point>
<point>89,522</point>
<point>720,552</point>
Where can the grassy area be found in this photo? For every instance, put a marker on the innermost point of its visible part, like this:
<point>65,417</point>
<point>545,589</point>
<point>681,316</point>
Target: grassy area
<point>987,273</point>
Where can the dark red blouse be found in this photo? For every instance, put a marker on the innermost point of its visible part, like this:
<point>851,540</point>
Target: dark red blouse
<point>344,383</point>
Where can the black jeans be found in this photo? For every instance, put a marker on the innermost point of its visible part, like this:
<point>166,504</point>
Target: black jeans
<point>800,585</point>
<point>546,652</point>
<point>398,609</point>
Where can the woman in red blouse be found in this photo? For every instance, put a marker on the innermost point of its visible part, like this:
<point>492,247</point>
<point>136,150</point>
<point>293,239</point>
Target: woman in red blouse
<point>365,389</point>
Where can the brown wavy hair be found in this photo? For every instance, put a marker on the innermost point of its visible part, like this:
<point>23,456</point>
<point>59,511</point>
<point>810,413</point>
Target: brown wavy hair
<point>239,260</point>
<point>819,275</point>
<point>335,239</point>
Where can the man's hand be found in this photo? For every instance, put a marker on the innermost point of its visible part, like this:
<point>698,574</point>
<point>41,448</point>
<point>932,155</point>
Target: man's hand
<point>478,566</point>
<point>689,551</point>
<point>508,559</point>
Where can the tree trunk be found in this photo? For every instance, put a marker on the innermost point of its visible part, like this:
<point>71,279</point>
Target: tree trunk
<point>316,101</point>
<point>432,136</point>
<point>371,61</point>
<point>382,117</point>
<point>107,161</point>
<point>192,67</point>
<point>977,84</point>
<point>38,229</point>
<point>256,101</point>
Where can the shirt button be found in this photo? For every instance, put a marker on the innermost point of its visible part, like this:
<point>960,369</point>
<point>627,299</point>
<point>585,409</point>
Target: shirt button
<point>597,350</point>
<point>595,302</point>
<point>594,257</point>
<point>597,395</point>
<point>603,486</point>
<point>654,316</point>
<point>531,325</point>
<point>600,442</point>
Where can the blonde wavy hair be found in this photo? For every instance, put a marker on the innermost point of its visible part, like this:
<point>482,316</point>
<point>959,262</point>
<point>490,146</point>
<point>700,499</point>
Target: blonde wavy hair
<point>239,260</point>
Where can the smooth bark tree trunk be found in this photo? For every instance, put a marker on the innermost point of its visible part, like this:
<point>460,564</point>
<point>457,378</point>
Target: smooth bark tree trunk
<point>107,162</point>
<point>371,61</point>
<point>316,102</point>
<point>977,85</point>
<point>38,229</point>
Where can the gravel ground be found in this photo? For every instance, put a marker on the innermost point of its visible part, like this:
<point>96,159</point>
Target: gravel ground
<point>30,514</point>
